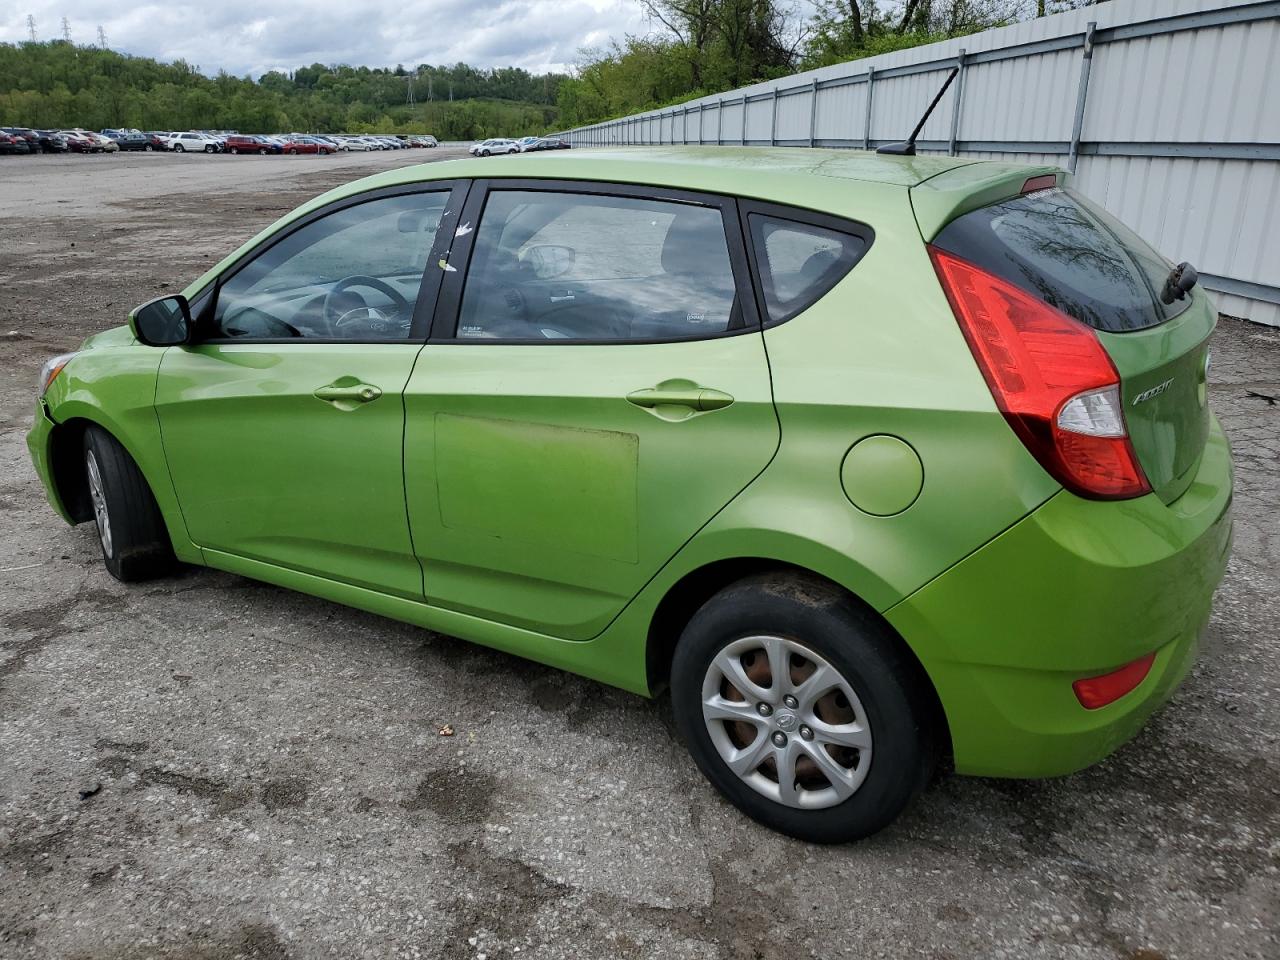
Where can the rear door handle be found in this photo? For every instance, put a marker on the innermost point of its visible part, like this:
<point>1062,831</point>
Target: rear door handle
<point>693,397</point>
<point>567,296</point>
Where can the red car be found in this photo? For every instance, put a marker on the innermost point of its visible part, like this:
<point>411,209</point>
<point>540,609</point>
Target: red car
<point>241,143</point>
<point>307,145</point>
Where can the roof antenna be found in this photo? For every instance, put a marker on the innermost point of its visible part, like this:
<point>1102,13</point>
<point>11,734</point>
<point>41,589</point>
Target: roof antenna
<point>907,148</point>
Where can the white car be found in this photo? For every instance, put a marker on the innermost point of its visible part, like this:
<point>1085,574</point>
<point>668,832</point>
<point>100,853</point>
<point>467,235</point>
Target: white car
<point>496,145</point>
<point>194,143</point>
<point>354,143</point>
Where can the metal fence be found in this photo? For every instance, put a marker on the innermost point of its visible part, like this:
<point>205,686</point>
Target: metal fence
<point>1166,111</point>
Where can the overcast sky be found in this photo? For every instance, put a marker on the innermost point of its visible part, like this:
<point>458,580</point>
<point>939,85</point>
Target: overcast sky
<point>253,36</point>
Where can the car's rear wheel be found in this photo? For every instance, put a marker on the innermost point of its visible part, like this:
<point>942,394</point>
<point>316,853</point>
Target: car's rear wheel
<point>131,531</point>
<point>484,153</point>
<point>293,152</point>
<point>800,706</point>
<point>179,148</point>
<point>234,150</point>
<point>148,148</point>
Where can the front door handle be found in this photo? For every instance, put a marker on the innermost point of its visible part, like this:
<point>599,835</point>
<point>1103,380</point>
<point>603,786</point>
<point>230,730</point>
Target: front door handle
<point>680,395</point>
<point>348,392</point>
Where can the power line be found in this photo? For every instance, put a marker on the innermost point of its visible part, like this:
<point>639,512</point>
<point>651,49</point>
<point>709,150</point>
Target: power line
<point>66,29</point>
<point>31,27</point>
<point>102,37</point>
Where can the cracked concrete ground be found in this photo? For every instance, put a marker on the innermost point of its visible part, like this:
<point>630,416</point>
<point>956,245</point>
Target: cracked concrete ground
<point>273,783</point>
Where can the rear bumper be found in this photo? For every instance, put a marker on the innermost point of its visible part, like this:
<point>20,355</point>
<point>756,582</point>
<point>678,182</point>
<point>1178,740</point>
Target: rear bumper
<point>1077,588</point>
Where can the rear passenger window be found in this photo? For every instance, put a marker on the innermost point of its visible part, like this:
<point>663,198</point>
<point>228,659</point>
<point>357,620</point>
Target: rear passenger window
<point>799,262</point>
<point>566,266</point>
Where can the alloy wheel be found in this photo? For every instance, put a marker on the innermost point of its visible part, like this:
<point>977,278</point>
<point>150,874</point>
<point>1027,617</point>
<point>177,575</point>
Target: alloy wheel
<point>99,500</point>
<point>786,722</point>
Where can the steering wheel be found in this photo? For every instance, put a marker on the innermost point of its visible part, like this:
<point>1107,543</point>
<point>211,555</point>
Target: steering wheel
<point>337,317</point>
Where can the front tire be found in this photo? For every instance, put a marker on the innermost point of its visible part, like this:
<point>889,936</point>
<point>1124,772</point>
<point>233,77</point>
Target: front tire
<point>131,531</point>
<point>802,708</point>
<point>210,148</point>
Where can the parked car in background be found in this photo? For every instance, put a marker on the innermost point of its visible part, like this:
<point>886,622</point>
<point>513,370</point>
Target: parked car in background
<point>141,141</point>
<point>11,144</point>
<point>192,142</point>
<point>246,143</point>
<point>355,145</point>
<point>52,142</point>
<point>80,142</point>
<point>427,141</point>
<point>106,143</point>
<point>546,143</point>
<point>26,135</point>
<point>494,146</point>
<point>524,143</point>
<point>304,145</point>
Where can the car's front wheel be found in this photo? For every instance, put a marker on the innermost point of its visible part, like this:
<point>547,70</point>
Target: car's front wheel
<point>210,148</point>
<point>131,530</point>
<point>800,706</point>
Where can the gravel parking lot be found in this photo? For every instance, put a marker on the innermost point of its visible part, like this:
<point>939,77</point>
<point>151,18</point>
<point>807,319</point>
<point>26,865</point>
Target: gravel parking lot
<point>274,784</point>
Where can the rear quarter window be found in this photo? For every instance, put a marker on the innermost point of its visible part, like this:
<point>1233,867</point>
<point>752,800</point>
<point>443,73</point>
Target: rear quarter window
<point>798,262</point>
<point>1071,254</point>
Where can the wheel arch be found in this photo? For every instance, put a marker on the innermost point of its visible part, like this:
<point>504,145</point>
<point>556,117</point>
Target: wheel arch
<point>66,444</point>
<point>687,594</point>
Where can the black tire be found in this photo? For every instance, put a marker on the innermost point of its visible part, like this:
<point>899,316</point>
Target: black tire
<point>293,152</point>
<point>137,546</point>
<point>234,150</point>
<point>148,148</point>
<point>210,148</point>
<point>885,679</point>
<point>484,153</point>
<point>179,148</point>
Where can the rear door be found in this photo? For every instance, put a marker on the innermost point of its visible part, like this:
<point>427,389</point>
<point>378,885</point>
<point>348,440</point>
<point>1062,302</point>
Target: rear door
<point>1076,257</point>
<point>283,425</point>
<point>594,391</point>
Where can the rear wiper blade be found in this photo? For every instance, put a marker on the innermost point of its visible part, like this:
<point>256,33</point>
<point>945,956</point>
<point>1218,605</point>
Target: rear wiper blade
<point>1179,282</point>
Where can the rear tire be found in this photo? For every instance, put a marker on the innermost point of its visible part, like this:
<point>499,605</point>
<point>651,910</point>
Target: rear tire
<point>179,148</point>
<point>872,710</point>
<point>131,531</point>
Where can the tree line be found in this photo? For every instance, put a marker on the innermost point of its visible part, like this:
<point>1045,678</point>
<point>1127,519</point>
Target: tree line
<point>702,47</point>
<point>57,84</point>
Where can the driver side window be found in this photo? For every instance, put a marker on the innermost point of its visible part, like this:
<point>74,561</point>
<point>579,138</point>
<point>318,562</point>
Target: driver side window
<point>351,275</point>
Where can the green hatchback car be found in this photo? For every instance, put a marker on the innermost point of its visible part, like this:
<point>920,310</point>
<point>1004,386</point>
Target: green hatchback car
<point>872,461</point>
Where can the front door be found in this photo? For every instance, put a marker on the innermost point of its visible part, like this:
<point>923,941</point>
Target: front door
<point>283,426</point>
<point>594,391</point>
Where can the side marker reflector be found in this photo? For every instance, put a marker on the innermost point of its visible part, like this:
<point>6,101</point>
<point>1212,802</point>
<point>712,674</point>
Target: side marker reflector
<point>1095,692</point>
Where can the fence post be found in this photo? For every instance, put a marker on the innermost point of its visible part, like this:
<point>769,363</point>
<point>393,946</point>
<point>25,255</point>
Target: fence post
<point>866,127</point>
<point>813,111</point>
<point>955,104</point>
<point>773,120</point>
<point>1082,94</point>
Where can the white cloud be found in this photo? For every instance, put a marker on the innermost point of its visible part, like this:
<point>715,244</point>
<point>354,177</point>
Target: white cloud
<point>253,36</point>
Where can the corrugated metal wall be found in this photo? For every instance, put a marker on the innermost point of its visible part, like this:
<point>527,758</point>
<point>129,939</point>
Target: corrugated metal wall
<point>1177,131</point>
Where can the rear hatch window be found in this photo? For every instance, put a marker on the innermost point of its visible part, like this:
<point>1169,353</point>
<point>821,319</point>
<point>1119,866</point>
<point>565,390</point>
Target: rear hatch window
<point>1070,253</point>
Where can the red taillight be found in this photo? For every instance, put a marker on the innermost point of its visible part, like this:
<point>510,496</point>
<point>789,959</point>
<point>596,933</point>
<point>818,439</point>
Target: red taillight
<point>1095,692</point>
<point>1051,379</point>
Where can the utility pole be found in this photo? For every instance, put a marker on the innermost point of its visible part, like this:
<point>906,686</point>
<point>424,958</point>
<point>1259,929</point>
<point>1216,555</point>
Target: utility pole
<point>102,37</point>
<point>31,27</point>
<point>409,86</point>
<point>66,29</point>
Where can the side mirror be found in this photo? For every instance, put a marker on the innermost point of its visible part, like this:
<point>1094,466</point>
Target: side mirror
<point>549,260</point>
<point>164,322</point>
